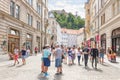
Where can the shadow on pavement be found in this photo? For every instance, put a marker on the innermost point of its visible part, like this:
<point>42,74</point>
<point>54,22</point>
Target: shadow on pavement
<point>98,70</point>
<point>11,65</point>
<point>115,62</point>
<point>40,77</point>
<point>105,65</point>
<point>57,77</point>
<point>19,65</point>
<point>88,69</point>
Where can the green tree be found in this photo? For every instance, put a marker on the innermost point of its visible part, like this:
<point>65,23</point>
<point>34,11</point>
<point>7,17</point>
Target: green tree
<point>69,21</point>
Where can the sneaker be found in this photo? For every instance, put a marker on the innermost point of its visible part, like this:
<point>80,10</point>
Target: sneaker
<point>45,74</point>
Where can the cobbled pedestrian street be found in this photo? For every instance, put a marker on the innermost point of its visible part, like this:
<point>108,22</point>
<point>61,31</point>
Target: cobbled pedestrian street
<point>31,71</point>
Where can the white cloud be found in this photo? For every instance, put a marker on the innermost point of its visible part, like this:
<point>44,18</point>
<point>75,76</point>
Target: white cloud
<point>69,6</point>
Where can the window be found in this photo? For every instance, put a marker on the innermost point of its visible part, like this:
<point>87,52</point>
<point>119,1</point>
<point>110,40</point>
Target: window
<point>17,12</point>
<point>102,3</point>
<point>12,8</point>
<point>29,19</point>
<point>113,9</point>
<point>38,25</point>
<point>38,9</point>
<point>103,19</point>
<point>29,36</point>
<point>30,2</point>
<point>118,6</point>
<point>14,32</point>
<point>95,10</point>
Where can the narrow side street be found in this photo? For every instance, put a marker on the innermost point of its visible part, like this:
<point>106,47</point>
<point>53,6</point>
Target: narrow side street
<point>31,71</point>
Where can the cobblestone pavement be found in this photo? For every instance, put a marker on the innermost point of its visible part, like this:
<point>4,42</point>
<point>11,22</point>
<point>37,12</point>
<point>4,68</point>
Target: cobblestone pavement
<point>31,71</point>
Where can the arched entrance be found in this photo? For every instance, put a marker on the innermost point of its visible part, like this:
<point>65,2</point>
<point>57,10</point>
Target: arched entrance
<point>13,40</point>
<point>116,40</point>
<point>103,41</point>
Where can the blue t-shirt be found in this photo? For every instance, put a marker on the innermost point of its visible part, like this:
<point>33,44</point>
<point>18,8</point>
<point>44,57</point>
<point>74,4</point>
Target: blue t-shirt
<point>46,53</point>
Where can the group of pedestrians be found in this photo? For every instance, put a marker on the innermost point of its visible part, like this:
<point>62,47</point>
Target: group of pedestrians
<point>57,52</point>
<point>61,54</point>
<point>24,53</point>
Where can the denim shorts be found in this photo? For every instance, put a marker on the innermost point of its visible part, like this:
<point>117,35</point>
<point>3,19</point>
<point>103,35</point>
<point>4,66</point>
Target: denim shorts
<point>101,55</point>
<point>23,56</point>
<point>58,62</point>
<point>46,62</point>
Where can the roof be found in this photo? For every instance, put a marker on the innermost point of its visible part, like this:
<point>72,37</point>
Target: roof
<point>71,31</point>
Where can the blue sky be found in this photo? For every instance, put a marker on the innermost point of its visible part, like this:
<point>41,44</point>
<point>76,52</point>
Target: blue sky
<point>68,5</point>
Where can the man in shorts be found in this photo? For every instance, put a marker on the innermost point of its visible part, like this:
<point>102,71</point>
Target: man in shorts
<point>46,59</point>
<point>58,59</point>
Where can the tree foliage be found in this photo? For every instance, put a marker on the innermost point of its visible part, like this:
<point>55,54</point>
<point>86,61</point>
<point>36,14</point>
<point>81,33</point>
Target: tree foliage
<point>69,21</point>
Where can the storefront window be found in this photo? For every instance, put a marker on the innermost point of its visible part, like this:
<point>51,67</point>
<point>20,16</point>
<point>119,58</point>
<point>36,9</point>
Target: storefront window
<point>103,41</point>
<point>116,41</point>
<point>29,41</point>
<point>14,32</point>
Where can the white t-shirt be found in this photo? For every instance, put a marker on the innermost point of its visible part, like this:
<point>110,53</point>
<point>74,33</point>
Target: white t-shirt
<point>16,51</point>
<point>79,53</point>
<point>73,51</point>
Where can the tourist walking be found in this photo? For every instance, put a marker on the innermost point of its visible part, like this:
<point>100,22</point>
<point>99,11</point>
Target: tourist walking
<point>73,55</point>
<point>46,59</point>
<point>94,55</point>
<point>28,52</point>
<point>79,53</point>
<point>58,59</point>
<point>69,56</point>
<point>16,56</point>
<point>36,50</point>
<point>86,53</point>
<point>23,55</point>
<point>65,55</point>
<point>42,63</point>
<point>101,55</point>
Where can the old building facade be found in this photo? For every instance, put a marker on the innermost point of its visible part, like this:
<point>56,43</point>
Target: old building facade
<point>80,37</point>
<point>105,20</point>
<point>22,23</point>
<point>52,30</point>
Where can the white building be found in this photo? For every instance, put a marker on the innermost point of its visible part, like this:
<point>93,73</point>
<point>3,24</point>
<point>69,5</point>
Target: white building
<point>64,37</point>
<point>53,31</point>
<point>71,37</point>
<point>59,35</point>
<point>80,37</point>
